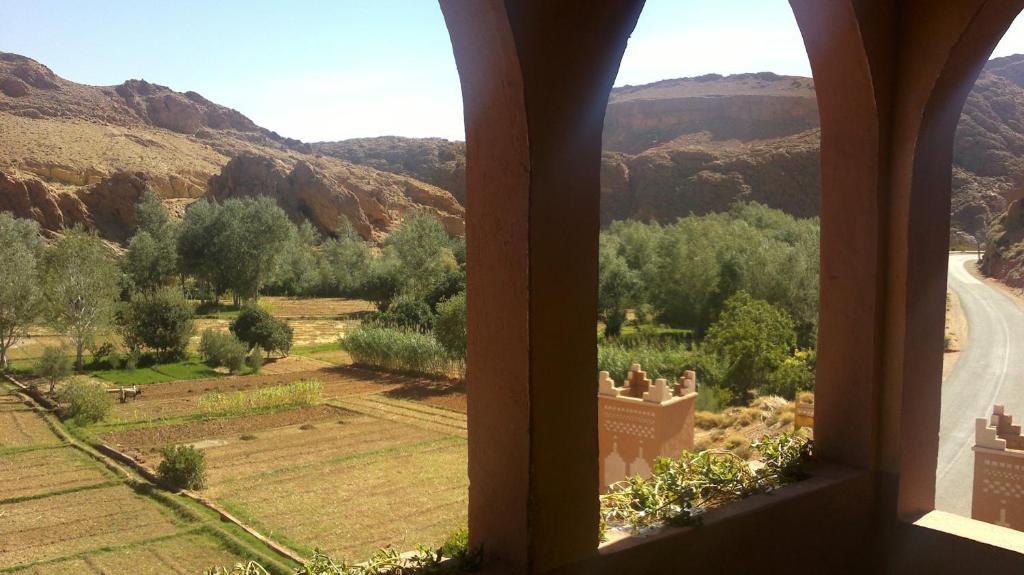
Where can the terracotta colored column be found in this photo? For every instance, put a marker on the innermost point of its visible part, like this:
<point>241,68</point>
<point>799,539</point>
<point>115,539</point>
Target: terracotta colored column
<point>535,78</point>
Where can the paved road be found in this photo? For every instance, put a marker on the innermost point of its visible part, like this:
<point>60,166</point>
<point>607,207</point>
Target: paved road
<point>990,370</point>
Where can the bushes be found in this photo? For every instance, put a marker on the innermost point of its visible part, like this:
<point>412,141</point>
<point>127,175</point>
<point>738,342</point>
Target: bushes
<point>399,350</point>
<point>183,467</point>
<point>300,393</point>
<point>85,401</point>
<point>257,328</point>
<point>222,349</point>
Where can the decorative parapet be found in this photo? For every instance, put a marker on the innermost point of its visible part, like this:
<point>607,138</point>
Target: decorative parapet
<point>641,421</point>
<point>998,495</point>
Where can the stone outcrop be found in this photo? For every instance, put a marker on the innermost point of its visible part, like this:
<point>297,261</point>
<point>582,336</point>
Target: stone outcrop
<point>107,206</point>
<point>373,202</point>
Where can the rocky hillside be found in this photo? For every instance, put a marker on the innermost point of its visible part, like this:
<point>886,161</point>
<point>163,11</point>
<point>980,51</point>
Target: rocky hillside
<point>1004,252</point>
<point>71,153</point>
<point>432,160</point>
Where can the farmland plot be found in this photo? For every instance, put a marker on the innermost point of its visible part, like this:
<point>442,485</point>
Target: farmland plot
<point>372,466</point>
<point>39,472</point>
<point>63,512</point>
<point>60,525</point>
<point>181,554</point>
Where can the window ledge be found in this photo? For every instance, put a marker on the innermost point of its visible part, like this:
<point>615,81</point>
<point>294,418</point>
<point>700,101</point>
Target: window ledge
<point>822,476</point>
<point>972,529</point>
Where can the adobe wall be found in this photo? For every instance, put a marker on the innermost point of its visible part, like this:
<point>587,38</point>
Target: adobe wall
<point>642,421</point>
<point>998,495</point>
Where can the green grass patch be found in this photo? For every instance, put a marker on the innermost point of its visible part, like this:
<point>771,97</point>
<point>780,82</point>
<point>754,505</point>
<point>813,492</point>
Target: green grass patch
<point>160,373</point>
<point>308,350</point>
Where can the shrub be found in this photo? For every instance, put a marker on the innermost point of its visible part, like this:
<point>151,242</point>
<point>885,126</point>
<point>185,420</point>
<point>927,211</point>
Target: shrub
<point>54,365</point>
<point>222,349</point>
<point>183,467</point>
<point>399,350</point>
<point>85,401</point>
<point>257,328</point>
<point>450,325</point>
<point>305,392</point>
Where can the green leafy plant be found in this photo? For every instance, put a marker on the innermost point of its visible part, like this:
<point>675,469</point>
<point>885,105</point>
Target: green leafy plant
<point>681,490</point>
<point>183,467</point>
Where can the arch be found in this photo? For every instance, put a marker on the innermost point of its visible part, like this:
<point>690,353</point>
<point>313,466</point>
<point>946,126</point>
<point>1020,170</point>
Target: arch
<point>940,74</point>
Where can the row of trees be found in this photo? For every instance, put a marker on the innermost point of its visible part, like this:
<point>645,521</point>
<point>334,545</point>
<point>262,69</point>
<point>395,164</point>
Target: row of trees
<point>681,274</point>
<point>247,247</point>
<point>71,285</point>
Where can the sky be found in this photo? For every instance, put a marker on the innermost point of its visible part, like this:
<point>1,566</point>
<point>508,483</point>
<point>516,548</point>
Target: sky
<point>322,70</point>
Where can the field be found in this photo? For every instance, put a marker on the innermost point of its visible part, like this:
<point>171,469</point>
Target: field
<point>64,512</point>
<point>382,461</point>
<point>378,460</point>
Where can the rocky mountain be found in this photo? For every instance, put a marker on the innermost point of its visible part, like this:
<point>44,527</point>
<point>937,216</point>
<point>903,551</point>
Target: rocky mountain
<point>76,154</point>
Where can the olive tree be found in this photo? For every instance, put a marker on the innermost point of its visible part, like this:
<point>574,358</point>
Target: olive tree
<point>257,328</point>
<point>80,288</point>
<point>21,250</point>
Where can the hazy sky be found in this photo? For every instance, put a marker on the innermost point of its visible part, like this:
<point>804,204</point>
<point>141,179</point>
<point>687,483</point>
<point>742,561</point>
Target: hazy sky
<point>334,69</point>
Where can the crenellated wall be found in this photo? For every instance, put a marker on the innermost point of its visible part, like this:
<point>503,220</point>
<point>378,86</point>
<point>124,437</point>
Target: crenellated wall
<point>642,421</point>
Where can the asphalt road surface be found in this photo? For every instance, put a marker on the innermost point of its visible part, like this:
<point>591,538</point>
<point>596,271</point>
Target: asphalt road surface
<point>990,371</point>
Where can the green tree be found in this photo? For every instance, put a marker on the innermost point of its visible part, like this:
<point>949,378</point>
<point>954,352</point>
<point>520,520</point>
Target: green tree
<point>754,338</point>
<point>383,283</point>
<point>150,214</point>
<point>161,320</point>
<point>80,288</point>
<point>421,249</point>
<point>21,250</point>
<point>298,269</point>
<point>196,255</point>
<point>617,287</point>
<point>152,257</point>
<point>255,327</point>
<point>346,260</point>
<point>250,236</point>
<point>450,325</point>
<point>54,365</point>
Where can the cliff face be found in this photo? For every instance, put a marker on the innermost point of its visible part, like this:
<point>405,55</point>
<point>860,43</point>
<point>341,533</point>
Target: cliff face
<point>75,154</point>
